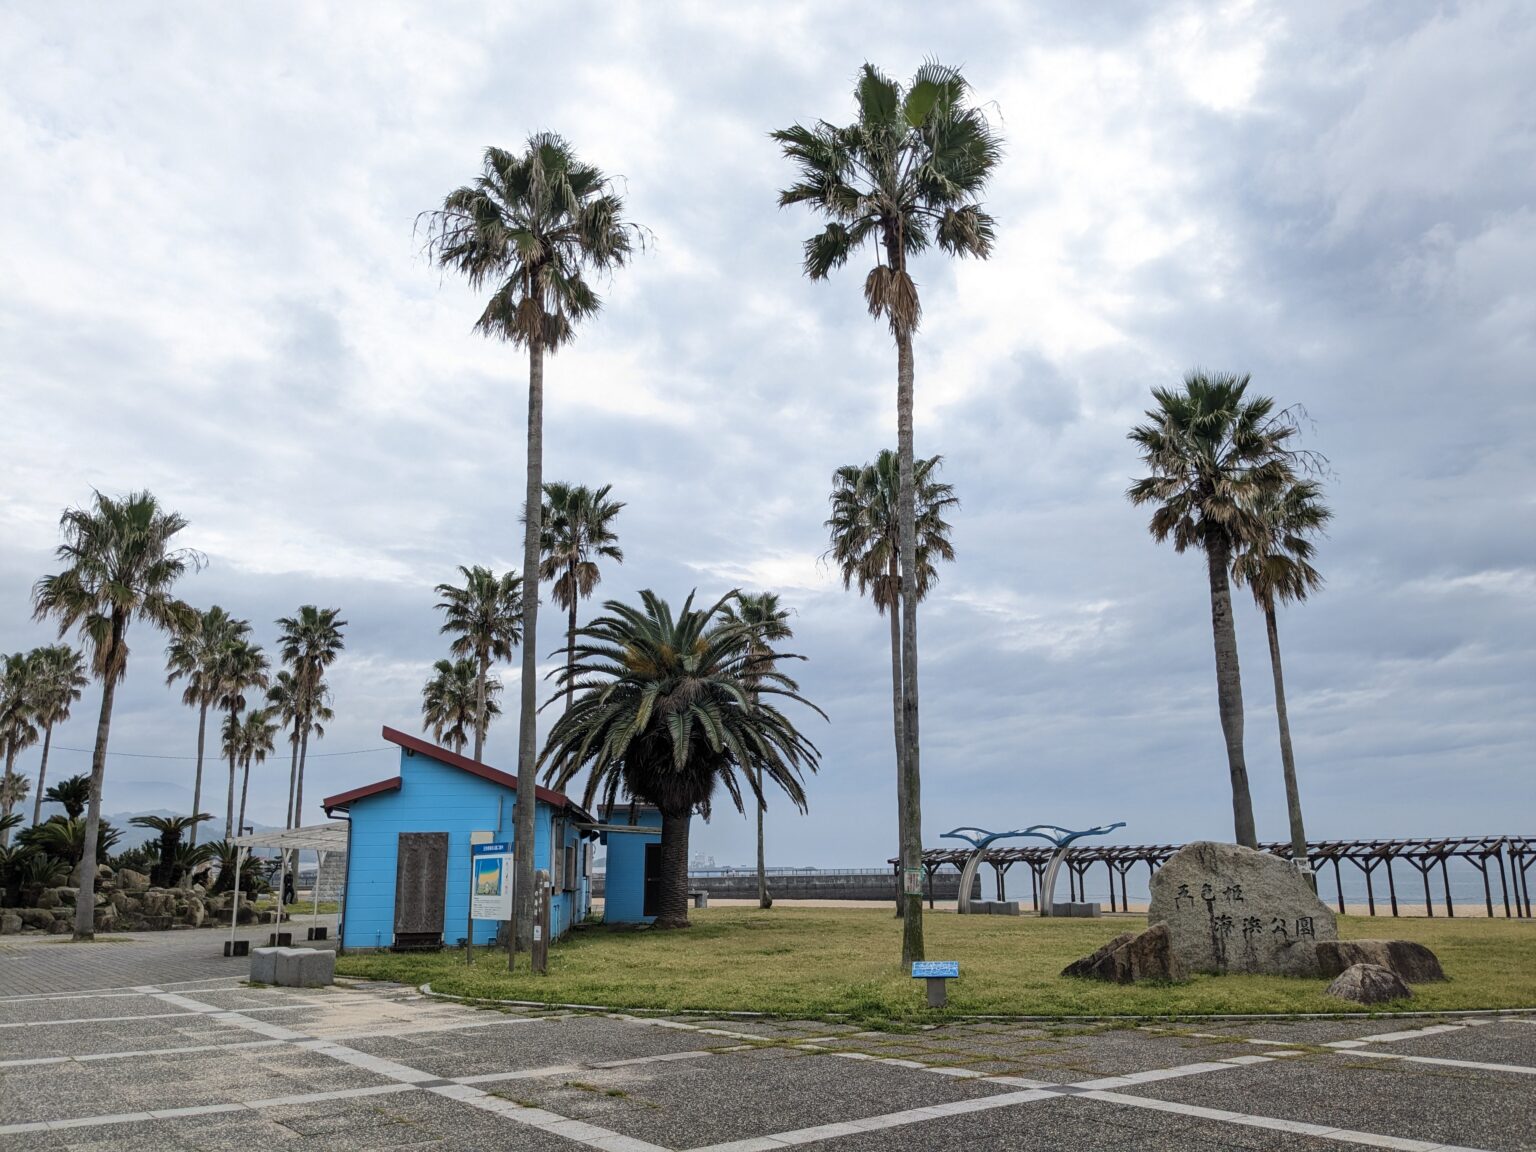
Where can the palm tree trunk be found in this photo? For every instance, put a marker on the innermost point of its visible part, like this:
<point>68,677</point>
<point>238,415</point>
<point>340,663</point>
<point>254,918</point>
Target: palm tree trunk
<point>1287,757</point>
<point>229,803</point>
<point>480,716</point>
<point>527,730</point>
<point>245,787</point>
<point>673,897</point>
<point>85,899</point>
<point>298,791</point>
<point>570,648</point>
<point>1229,689</point>
<point>763,899</point>
<point>911,803</point>
<point>5,808</point>
<point>901,777</point>
<point>197,782</point>
<point>42,776</point>
<point>290,814</point>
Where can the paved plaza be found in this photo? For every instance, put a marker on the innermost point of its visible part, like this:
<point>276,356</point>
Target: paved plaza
<point>157,1043</point>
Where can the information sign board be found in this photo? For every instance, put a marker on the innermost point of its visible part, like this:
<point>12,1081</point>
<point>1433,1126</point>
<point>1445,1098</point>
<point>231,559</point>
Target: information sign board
<point>490,886</point>
<point>935,969</point>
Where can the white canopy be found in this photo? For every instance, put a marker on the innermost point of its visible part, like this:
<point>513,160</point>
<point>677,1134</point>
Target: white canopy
<point>315,838</point>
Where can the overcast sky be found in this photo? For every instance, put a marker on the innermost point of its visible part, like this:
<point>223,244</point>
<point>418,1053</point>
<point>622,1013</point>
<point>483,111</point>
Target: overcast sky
<point>209,287</point>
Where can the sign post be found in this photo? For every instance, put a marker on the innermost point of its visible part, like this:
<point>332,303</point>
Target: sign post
<point>490,885</point>
<point>540,950</point>
<point>936,972</point>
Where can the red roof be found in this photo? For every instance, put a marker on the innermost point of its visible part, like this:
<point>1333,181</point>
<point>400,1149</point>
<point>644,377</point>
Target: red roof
<point>453,760</point>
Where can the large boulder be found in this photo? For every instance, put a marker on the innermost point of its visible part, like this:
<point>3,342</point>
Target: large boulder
<point>1232,909</point>
<point>10,922</point>
<point>1369,984</point>
<point>1144,956</point>
<point>132,881</point>
<point>1413,962</point>
<point>159,902</point>
<point>195,913</point>
<point>36,918</point>
<point>106,918</point>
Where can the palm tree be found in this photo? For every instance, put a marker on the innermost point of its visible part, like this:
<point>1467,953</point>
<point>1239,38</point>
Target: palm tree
<point>283,702</point>
<point>532,225</point>
<point>166,873</point>
<point>311,641</point>
<point>485,619</point>
<point>60,679</point>
<point>577,530</point>
<point>73,793</point>
<point>907,173</point>
<point>1275,562</point>
<point>759,613</point>
<point>866,536</point>
<point>454,698</point>
<point>119,566</point>
<point>670,708</point>
<point>195,654</point>
<point>66,839</point>
<point>18,710</point>
<point>242,669</point>
<point>1214,456</point>
<point>249,740</point>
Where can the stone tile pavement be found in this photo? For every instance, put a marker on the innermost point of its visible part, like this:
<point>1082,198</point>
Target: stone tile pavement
<point>181,1054</point>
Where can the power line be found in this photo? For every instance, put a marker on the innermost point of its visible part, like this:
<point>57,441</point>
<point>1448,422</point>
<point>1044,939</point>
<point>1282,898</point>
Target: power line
<point>157,756</point>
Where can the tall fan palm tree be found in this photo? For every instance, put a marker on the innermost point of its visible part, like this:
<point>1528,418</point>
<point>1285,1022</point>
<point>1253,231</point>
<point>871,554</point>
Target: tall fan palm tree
<point>485,619</point>
<point>249,741</point>
<point>73,793</point>
<point>668,709</point>
<point>1215,455</point>
<point>577,531</point>
<point>531,226</point>
<point>310,642</point>
<point>120,566</point>
<point>1275,562</point>
<point>283,702</point>
<point>907,173</point>
<point>765,622</point>
<point>195,654</point>
<point>60,679</point>
<point>18,710</point>
<point>454,698</point>
<point>242,669</point>
<point>866,545</point>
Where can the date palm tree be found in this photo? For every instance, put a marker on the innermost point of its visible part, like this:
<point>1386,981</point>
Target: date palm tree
<point>759,613</point>
<point>1215,455</point>
<point>485,619</point>
<point>166,873</point>
<point>194,654</point>
<point>670,708</point>
<point>120,565</point>
<point>531,226</point>
<point>60,680</point>
<point>242,669</point>
<point>309,643</point>
<point>249,740</point>
<point>18,710</point>
<point>906,174</point>
<point>866,546</point>
<point>454,698</point>
<point>577,531</point>
<point>73,793</point>
<point>1275,562</point>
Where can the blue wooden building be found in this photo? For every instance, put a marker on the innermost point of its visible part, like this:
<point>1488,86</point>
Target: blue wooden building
<point>408,848</point>
<point>632,875</point>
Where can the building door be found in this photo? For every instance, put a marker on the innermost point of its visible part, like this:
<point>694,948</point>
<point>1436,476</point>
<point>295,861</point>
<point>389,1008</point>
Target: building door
<point>652,902</point>
<point>421,877</point>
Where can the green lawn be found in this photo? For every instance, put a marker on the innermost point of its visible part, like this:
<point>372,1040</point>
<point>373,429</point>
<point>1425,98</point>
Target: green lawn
<point>812,962</point>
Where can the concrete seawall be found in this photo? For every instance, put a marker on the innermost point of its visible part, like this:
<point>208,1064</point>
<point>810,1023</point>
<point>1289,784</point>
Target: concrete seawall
<point>815,886</point>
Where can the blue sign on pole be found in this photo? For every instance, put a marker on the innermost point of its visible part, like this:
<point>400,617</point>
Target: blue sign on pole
<point>498,849</point>
<point>935,969</point>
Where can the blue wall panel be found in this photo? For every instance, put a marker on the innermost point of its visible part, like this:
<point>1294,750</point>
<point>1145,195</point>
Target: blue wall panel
<point>624,881</point>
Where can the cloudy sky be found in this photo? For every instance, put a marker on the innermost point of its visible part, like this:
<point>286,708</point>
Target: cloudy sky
<point>209,287</point>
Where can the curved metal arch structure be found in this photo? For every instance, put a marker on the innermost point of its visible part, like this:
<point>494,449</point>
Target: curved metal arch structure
<point>980,839</point>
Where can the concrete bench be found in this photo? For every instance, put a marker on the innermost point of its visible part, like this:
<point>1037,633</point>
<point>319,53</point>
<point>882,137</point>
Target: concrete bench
<point>700,898</point>
<point>1077,908</point>
<point>293,967</point>
<point>1003,907</point>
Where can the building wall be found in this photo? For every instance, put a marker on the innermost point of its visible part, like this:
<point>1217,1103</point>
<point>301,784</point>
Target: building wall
<point>624,878</point>
<point>434,797</point>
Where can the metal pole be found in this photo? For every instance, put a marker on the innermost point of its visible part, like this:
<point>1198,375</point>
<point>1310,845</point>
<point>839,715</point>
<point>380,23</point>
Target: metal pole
<point>1445,879</point>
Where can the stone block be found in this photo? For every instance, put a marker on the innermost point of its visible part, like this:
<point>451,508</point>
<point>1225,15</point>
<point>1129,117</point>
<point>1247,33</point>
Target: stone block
<point>1145,956</point>
<point>981,908</point>
<point>1233,909</point>
<point>264,965</point>
<point>1369,984</point>
<point>1413,962</point>
<point>132,881</point>
<point>37,918</point>
<point>10,922</point>
<point>1003,907</point>
<point>1077,908</point>
<point>305,967</point>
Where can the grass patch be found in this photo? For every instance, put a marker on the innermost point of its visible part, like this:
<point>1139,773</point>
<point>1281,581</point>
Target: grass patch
<point>818,962</point>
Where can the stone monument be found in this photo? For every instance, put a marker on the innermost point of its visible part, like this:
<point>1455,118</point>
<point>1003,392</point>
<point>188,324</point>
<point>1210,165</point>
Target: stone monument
<point>1232,909</point>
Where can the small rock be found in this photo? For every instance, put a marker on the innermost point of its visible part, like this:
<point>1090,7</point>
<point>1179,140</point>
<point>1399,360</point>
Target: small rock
<point>10,923</point>
<point>132,881</point>
<point>106,918</point>
<point>1369,984</point>
<point>61,927</point>
<point>1413,962</point>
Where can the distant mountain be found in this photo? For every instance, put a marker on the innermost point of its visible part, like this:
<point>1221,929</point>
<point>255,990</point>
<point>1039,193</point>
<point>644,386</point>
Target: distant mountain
<point>133,835</point>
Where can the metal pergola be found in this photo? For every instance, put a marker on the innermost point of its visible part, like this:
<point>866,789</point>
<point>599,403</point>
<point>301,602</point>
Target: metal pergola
<point>321,839</point>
